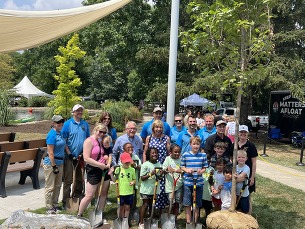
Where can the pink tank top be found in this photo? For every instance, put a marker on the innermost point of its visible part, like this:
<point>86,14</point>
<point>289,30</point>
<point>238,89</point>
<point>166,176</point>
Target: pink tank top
<point>96,149</point>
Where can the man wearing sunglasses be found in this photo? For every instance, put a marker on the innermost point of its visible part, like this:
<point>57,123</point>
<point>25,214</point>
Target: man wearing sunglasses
<point>75,131</point>
<point>130,136</point>
<point>178,128</point>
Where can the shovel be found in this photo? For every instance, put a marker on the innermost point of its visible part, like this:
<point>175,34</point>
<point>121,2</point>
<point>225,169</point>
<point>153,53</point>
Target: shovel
<point>134,215</point>
<point>72,203</point>
<point>168,219</point>
<point>117,223</point>
<point>151,223</point>
<point>194,224</point>
<point>96,216</point>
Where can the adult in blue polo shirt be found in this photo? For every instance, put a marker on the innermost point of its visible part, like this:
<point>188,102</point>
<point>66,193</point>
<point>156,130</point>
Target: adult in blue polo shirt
<point>184,138</point>
<point>178,128</point>
<point>75,131</point>
<point>146,129</point>
<point>208,130</point>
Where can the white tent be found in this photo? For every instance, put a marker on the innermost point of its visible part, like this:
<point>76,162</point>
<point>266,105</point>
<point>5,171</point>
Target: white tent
<point>27,29</point>
<point>196,100</point>
<point>26,89</point>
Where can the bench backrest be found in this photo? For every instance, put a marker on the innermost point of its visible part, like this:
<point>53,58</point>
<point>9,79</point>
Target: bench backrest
<point>23,155</point>
<point>12,146</point>
<point>37,143</point>
<point>7,137</point>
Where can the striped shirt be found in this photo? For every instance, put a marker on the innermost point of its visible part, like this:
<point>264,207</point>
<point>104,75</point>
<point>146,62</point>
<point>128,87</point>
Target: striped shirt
<point>189,160</point>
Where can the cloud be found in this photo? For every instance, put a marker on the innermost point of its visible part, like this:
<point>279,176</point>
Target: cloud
<point>41,4</point>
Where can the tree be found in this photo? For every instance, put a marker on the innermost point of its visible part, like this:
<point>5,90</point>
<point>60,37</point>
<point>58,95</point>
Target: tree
<point>6,71</point>
<point>66,93</point>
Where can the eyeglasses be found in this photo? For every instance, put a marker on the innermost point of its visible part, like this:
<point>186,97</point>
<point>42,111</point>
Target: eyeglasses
<point>132,128</point>
<point>178,120</point>
<point>107,118</point>
<point>102,132</point>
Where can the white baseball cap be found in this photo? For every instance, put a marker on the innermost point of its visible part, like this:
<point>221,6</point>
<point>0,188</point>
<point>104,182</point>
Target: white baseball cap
<point>243,128</point>
<point>76,107</point>
<point>157,109</point>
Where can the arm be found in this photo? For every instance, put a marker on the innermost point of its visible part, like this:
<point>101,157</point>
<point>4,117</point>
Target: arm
<point>115,152</point>
<point>241,177</point>
<point>253,170</point>
<point>50,149</point>
<point>146,148</point>
<point>168,145</point>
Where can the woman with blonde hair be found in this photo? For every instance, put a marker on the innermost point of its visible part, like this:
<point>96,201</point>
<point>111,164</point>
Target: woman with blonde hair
<point>230,128</point>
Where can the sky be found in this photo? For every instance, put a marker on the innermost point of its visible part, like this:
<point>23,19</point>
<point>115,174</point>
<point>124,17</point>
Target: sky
<point>39,4</point>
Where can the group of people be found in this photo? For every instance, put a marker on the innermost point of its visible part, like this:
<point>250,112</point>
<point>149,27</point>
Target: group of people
<point>175,156</point>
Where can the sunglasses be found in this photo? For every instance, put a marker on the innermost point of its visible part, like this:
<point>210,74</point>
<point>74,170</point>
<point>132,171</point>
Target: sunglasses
<point>62,121</point>
<point>102,132</point>
<point>107,118</point>
<point>178,120</point>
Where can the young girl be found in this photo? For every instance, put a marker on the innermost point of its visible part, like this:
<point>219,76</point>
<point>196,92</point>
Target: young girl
<point>171,167</point>
<point>225,193</point>
<point>218,182</point>
<point>106,142</point>
<point>148,178</point>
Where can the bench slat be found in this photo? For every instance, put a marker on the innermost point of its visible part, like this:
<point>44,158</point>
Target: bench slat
<point>11,146</point>
<point>7,137</point>
<point>23,155</point>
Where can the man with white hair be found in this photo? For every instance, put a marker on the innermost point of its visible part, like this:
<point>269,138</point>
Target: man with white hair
<point>75,131</point>
<point>131,137</point>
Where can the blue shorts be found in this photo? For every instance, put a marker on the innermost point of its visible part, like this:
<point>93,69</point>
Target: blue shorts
<point>244,204</point>
<point>188,196</point>
<point>126,200</point>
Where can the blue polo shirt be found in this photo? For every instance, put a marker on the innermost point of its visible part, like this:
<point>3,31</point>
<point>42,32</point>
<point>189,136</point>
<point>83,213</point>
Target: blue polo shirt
<point>146,130</point>
<point>136,142</point>
<point>184,141</point>
<point>175,133</point>
<point>76,134</point>
<point>204,133</point>
<point>56,139</point>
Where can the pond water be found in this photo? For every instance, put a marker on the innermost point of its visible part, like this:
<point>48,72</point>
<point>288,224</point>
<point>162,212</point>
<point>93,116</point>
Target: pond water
<point>20,114</point>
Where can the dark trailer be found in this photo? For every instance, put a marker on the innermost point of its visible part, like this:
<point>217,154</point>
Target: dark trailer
<point>286,113</point>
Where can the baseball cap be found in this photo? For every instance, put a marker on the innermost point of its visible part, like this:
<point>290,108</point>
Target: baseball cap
<point>125,158</point>
<point>243,128</point>
<point>157,109</point>
<point>220,122</point>
<point>76,107</point>
<point>57,118</point>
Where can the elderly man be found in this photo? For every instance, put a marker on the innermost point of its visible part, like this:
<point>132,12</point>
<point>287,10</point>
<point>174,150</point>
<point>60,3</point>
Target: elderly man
<point>146,130</point>
<point>131,137</point>
<point>219,136</point>
<point>208,130</point>
<point>75,131</point>
<point>184,138</point>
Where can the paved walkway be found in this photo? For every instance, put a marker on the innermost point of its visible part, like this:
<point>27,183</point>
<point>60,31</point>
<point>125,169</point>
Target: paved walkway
<point>25,197</point>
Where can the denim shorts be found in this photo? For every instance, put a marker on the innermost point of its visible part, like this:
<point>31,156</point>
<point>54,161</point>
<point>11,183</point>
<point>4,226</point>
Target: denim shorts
<point>177,195</point>
<point>188,196</point>
<point>128,199</point>
<point>146,197</point>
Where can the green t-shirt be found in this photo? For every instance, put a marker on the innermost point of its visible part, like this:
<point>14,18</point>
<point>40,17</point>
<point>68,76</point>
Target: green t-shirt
<point>147,186</point>
<point>169,181</point>
<point>125,177</point>
<point>207,193</point>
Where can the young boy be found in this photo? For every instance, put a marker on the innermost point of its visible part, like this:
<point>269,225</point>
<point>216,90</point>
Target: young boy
<point>242,188</point>
<point>127,179</point>
<point>218,182</point>
<point>220,148</point>
<point>193,164</point>
<point>171,166</point>
<point>225,193</point>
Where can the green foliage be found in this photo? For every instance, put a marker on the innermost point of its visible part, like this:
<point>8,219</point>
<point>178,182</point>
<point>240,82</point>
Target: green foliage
<point>66,93</point>
<point>89,104</point>
<point>121,112</point>
<point>48,113</point>
<point>6,71</point>
<point>23,102</point>
<point>38,101</point>
<point>5,111</point>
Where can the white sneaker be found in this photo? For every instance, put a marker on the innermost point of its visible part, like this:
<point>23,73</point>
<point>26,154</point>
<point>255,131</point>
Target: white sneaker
<point>141,226</point>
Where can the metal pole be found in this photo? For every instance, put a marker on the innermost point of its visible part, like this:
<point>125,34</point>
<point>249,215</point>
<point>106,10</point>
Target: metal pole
<point>172,68</point>
<point>300,163</point>
<point>265,143</point>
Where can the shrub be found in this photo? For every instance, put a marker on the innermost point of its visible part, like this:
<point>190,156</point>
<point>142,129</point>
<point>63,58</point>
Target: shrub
<point>121,112</point>
<point>5,111</point>
<point>23,102</point>
<point>90,104</point>
<point>38,101</point>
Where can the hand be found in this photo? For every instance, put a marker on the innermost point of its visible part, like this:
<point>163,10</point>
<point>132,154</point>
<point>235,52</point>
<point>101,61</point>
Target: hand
<point>55,169</point>
<point>170,169</point>
<point>70,156</point>
<point>251,181</point>
<point>189,171</point>
<point>132,183</point>
<point>74,161</point>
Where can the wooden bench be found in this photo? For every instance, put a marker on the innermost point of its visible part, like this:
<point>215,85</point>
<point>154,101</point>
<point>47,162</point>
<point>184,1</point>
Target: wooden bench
<point>19,145</point>
<point>26,161</point>
<point>7,137</point>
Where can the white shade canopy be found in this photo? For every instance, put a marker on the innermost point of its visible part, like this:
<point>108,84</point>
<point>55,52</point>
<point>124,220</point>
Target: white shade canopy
<point>26,89</point>
<point>195,100</point>
<point>21,30</point>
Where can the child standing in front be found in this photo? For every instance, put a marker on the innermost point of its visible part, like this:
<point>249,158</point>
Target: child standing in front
<point>220,148</point>
<point>148,178</point>
<point>127,179</point>
<point>218,182</point>
<point>225,193</point>
<point>242,188</point>
<point>193,164</point>
<point>171,167</point>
